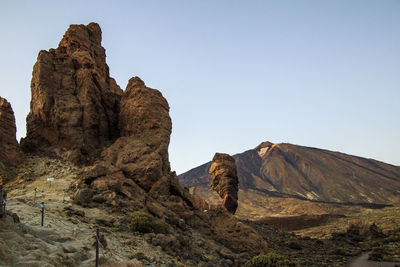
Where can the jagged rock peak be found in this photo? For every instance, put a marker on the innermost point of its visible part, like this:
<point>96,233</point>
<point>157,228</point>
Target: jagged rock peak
<point>75,103</point>
<point>84,41</point>
<point>225,180</point>
<point>134,82</point>
<point>77,36</point>
<point>263,145</point>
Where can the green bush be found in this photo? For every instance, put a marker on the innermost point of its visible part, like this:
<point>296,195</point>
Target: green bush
<point>269,260</point>
<point>145,223</point>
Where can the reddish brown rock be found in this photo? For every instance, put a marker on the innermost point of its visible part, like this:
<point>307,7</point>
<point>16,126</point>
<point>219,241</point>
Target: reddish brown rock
<point>145,116</point>
<point>137,162</point>
<point>75,102</point>
<point>9,149</point>
<point>225,180</point>
<point>105,183</point>
<point>8,141</point>
<point>145,125</point>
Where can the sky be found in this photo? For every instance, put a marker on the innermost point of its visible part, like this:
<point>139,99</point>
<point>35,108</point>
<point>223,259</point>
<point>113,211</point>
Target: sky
<point>324,74</point>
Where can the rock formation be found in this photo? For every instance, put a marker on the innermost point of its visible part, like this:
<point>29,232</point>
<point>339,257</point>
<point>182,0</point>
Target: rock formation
<point>225,180</point>
<point>139,158</point>
<point>8,140</point>
<point>75,102</point>
<point>9,149</point>
<point>145,126</point>
<point>78,112</point>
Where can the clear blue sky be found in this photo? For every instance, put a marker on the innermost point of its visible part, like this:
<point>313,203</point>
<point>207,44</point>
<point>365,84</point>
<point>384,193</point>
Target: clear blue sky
<point>235,73</point>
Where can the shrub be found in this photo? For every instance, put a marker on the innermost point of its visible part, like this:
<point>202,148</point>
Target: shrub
<point>339,251</point>
<point>145,223</point>
<point>295,245</point>
<point>269,260</point>
<point>377,254</point>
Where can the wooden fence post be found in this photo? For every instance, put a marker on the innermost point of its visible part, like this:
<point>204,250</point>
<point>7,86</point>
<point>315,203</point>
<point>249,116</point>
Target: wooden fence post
<point>97,246</point>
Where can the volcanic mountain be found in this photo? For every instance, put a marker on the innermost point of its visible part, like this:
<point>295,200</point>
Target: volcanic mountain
<point>291,172</point>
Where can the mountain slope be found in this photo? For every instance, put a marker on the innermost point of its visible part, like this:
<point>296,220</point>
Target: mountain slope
<point>287,170</point>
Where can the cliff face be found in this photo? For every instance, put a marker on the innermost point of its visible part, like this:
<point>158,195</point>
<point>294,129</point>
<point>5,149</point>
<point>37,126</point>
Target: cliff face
<point>286,170</point>
<point>9,149</point>
<point>75,103</point>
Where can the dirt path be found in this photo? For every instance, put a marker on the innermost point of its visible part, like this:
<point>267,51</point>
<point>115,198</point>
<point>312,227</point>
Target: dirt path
<point>362,261</point>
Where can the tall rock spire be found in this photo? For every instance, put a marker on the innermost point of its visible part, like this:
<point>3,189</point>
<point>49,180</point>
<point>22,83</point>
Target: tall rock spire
<point>75,102</point>
<point>9,149</point>
<point>225,180</point>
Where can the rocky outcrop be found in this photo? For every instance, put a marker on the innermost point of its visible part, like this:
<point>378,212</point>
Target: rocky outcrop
<point>225,180</point>
<point>137,160</point>
<point>75,102</point>
<point>9,149</point>
<point>145,126</point>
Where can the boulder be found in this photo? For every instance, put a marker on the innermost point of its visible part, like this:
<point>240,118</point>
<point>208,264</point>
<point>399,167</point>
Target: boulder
<point>105,183</point>
<point>75,102</point>
<point>225,180</point>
